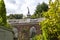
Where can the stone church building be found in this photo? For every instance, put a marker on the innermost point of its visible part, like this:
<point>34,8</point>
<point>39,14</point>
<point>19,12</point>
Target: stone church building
<point>25,29</point>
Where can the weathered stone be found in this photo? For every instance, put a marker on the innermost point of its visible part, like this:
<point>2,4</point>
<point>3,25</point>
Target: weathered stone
<point>24,25</point>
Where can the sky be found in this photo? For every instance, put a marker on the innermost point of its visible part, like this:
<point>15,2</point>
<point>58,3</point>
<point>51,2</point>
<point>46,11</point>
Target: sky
<point>20,6</point>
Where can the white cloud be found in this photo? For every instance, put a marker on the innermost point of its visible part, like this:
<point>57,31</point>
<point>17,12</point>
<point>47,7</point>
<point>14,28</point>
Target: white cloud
<point>20,6</point>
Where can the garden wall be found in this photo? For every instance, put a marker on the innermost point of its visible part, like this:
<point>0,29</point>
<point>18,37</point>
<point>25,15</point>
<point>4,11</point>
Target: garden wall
<point>5,34</point>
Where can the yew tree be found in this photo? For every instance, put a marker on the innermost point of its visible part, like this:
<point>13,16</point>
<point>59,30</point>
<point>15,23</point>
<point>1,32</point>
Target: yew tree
<point>2,13</point>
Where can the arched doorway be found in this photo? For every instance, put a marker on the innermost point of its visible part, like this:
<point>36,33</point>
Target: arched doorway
<point>32,31</point>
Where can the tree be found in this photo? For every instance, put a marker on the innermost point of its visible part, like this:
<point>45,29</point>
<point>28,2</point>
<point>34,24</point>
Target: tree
<point>51,24</point>
<point>2,13</point>
<point>39,9</point>
<point>15,16</point>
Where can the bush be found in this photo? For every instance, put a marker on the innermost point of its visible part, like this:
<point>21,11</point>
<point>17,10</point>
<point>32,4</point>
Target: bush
<point>51,24</point>
<point>37,37</point>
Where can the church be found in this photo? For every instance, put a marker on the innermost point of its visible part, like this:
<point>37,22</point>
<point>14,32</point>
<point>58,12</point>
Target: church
<point>25,29</point>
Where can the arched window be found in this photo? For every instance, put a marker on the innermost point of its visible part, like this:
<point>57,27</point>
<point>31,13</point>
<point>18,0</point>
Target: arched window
<point>32,31</point>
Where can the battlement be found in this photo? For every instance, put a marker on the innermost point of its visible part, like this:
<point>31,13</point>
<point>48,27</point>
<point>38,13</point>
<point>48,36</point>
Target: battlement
<point>12,21</point>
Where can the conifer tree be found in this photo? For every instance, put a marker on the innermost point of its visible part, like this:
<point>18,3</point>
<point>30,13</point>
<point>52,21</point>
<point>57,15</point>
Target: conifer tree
<point>2,13</point>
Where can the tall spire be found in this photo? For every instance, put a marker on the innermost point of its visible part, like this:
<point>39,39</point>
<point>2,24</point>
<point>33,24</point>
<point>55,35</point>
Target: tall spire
<point>28,15</point>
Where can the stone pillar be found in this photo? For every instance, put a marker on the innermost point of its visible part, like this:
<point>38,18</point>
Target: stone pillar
<point>15,33</point>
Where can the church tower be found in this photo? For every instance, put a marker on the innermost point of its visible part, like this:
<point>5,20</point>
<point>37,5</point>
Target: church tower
<point>28,15</point>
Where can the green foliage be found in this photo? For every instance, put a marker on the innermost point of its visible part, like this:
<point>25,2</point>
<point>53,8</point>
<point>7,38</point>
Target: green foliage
<point>37,37</point>
<point>15,16</point>
<point>3,21</point>
<point>2,13</point>
<point>0,19</point>
<point>39,9</point>
<point>51,24</point>
<point>8,26</point>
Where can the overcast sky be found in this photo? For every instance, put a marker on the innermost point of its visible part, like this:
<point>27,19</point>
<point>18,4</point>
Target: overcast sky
<point>20,6</point>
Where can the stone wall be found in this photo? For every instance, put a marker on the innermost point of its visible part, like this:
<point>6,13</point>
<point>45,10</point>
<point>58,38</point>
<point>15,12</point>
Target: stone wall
<point>24,25</point>
<point>24,31</point>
